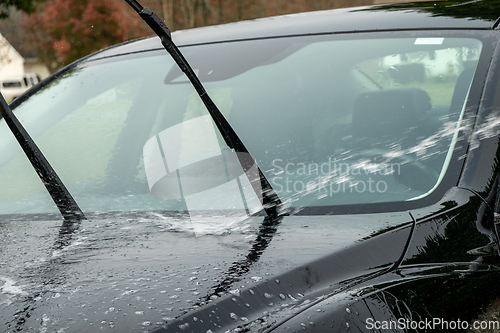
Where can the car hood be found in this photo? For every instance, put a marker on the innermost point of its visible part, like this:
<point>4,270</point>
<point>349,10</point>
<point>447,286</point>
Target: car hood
<point>130,273</point>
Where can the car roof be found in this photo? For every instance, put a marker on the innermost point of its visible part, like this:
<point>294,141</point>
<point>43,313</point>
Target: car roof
<point>475,14</point>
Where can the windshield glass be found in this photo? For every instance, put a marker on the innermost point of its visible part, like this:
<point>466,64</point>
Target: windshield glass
<point>329,120</point>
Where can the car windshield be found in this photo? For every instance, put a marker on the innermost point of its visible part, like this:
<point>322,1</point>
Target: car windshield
<point>330,120</point>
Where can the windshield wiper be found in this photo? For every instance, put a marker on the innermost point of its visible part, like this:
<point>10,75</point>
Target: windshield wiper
<point>62,198</point>
<point>271,202</point>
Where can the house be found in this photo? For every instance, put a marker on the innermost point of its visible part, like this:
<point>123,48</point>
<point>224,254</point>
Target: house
<point>16,74</point>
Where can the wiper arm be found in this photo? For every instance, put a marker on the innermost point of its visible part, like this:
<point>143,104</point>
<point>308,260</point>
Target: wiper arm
<point>271,201</point>
<point>59,193</point>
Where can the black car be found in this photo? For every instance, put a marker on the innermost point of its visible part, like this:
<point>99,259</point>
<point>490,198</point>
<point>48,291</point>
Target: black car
<point>346,179</point>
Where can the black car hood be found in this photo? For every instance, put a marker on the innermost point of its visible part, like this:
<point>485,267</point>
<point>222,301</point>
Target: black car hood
<point>294,270</point>
<point>130,274</point>
<point>150,272</point>
<point>341,286</point>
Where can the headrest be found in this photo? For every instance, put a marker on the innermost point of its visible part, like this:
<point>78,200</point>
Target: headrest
<point>382,113</point>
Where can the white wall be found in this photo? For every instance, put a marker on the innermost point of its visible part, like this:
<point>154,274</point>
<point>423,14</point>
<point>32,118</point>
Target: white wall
<point>11,62</point>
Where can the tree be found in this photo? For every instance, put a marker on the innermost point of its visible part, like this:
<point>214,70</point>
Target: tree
<point>66,30</point>
<point>27,6</point>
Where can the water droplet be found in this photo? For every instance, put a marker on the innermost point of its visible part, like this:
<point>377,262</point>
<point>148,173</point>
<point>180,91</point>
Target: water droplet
<point>184,326</point>
<point>282,296</point>
<point>139,312</point>
<point>235,292</point>
<point>195,319</point>
<point>267,295</point>
<point>347,310</point>
<point>277,281</point>
<point>233,316</point>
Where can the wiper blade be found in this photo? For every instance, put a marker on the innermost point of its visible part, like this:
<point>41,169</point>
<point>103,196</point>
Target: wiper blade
<point>62,198</point>
<point>272,203</point>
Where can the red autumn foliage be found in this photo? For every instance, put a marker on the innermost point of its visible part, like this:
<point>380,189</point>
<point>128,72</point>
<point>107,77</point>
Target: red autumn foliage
<point>66,30</point>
